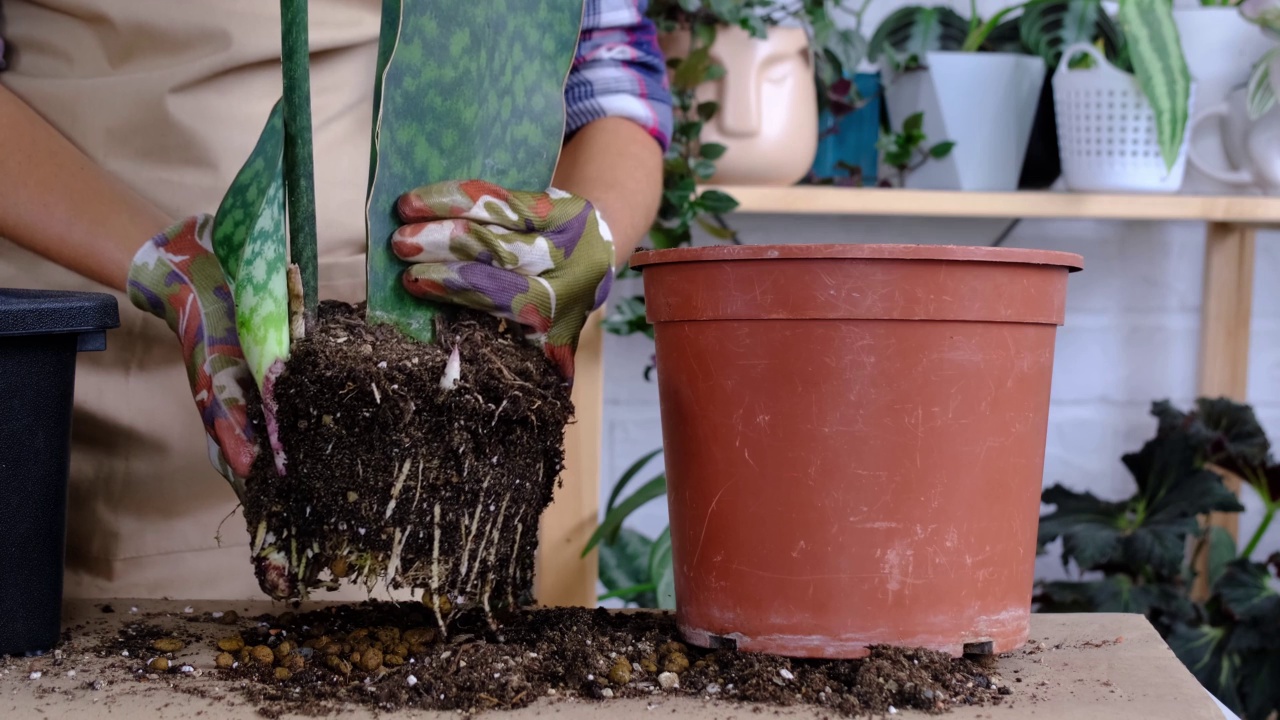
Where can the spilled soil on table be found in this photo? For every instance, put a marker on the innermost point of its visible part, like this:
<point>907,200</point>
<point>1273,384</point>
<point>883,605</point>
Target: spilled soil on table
<point>387,657</point>
<point>402,472</point>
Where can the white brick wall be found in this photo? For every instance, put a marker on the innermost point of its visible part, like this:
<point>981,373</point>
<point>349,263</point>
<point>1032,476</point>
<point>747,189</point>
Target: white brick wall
<point>1130,337</point>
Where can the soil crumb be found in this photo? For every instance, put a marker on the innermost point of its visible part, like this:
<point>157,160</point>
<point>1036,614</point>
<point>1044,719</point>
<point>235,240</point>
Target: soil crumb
<point>401,472</point>
<point>389,657</point>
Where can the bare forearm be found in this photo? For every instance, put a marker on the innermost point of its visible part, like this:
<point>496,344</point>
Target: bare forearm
<point>59,204</point>
<point>616,165</point>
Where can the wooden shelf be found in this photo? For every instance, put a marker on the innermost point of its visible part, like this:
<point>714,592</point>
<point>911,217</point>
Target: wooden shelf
<point>829,200</point>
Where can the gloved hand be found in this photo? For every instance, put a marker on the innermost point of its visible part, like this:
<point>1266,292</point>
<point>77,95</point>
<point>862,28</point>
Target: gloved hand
<point>541,259</point>
<point>176,277</point>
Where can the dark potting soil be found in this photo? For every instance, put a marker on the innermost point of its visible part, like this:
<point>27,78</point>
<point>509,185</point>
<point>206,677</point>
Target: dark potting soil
<point>392,478</point>
<point>390,656</point>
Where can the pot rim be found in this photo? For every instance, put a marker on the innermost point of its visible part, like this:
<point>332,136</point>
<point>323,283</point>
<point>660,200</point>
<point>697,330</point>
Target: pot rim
<point>953,253</point>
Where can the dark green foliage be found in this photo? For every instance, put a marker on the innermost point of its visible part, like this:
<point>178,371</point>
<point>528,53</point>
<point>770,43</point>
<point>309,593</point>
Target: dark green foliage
<point>632,566</point>
<point>908,149</point>
<point>470,90</point>
<point>907,34</point>
<point>1231,641</point>
<point>298,162</point>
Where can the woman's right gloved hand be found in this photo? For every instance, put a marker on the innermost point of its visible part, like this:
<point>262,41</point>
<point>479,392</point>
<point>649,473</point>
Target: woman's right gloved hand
<point>176,277</point>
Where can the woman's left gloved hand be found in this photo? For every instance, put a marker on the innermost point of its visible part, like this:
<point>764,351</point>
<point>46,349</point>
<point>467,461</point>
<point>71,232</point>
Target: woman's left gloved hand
<point>540,259</point>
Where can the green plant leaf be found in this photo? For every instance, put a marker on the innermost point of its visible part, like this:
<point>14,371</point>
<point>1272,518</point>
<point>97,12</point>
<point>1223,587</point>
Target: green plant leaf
<point>629,474</point>
<point>693,69</point>
<point>716,202</point>
<point>634,593</point>
<point>627,318</point>
<point>941,150</point>
<point>712,151</point>
<point>913,124</point>
<point>1047,27</point>
<point>1221,548</point>
<point>911,32</point>
<point>1204,650</point>
<point>613,520</point>
<point>1258,689</point>
<point>1148,532</point>
<point>1222,427</point>
<point>298,161</point>
<point>715,231</point>
<point>662,571</point>
<point>1115,593</point>
<point>250,243</point>
<point>1261,95</point>
<point>706,111</point>
<point>470,90</point>
<point>1246,592</point>
<point>624,564</point>
<point>1156,52</point>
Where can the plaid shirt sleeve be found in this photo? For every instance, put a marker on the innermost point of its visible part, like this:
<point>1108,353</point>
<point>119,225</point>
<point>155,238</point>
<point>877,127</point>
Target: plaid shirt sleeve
<point>619,70</point>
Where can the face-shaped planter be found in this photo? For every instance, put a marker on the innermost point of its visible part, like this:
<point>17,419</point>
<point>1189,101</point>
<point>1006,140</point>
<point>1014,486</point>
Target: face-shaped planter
<point>768,117</point>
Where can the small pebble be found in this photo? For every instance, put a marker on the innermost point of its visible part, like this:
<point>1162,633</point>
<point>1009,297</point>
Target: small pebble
<point>668,680</point>
<point>71,673</point>
<point>188,610</point>
<point>893,710</point>
<point>620,673</point>
<point>713,689</point>
<point>167,645</point>
<point>283,673</point>
<point>159,665</point>
<point>37,675</point>
<point>216,614</point>
<point>230,617</point>
<point>412,681</point>
<point>606,694</point>
<point>224,661</point>
<point>785,673</point>
<point>186,669</point>
<point>235,643</point>
<point>263,654</point>
<point>124,653</point>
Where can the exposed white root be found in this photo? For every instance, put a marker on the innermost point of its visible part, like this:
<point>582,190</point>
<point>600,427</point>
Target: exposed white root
<point>259,537</point>
<point>395,489</point>
<point>511,569</point>
<point>493,556</point>
<point>397,546</point>
<point>475,524</point>
<point>493,531</point>
<point>435,567</point>
<point>452,370</point>
<point>417,493</point>
<point>377,396</point>
<point>498,412</point>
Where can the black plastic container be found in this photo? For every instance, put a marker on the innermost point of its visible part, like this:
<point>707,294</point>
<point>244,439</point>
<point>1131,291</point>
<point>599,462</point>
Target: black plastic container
<point>41,332</point>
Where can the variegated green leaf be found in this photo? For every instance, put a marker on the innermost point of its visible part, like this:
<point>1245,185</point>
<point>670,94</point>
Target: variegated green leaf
<point>250,242</point>
<point>467,90</point>
<point>1262,96</point>
<point>1156,52</point>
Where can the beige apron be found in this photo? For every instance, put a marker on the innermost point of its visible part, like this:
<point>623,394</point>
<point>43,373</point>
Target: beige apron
<point>170,97</point>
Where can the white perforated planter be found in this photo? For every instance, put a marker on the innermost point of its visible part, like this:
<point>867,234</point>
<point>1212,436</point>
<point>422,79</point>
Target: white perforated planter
<point>1107,130</point>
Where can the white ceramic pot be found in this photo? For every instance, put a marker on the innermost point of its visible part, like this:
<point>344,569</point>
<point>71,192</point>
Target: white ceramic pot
<point>1251,148</point>
<point>768,117</point>
<point>1220,47</point>
<point>983,102</point>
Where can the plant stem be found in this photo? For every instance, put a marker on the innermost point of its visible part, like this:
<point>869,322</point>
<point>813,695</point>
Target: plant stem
<point>1272,506</point>
<point>298,161</point>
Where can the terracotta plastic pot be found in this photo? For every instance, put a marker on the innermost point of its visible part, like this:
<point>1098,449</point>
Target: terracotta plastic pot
<point>854,440</point>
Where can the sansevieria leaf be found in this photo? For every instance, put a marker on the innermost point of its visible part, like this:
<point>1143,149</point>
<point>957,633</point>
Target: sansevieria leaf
<point>1156,53</point>
<point>465,90</point>
<point>250,242</point>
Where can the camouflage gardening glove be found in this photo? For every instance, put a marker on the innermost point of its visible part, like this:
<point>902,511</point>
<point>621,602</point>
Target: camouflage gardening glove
<point>176,277</point>
<point>541,259</point>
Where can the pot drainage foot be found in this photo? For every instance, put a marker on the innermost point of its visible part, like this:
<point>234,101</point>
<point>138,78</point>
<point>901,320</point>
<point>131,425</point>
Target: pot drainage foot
<point>720,642</point>
<point>985,647</point>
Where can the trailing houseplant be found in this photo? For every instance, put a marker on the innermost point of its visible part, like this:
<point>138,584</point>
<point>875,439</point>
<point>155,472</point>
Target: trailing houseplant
<point>1134,550</point>
<point>412,443</point>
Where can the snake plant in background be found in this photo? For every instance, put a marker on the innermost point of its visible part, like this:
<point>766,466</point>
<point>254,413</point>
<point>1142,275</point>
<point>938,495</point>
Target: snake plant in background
<point>634,567</point>
<point>1262,87</point>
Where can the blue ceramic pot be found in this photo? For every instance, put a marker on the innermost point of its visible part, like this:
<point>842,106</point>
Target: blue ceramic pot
<point>851,140</point>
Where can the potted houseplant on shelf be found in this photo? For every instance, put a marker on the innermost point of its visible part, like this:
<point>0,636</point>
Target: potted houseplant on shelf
<point>849,121</point>
<point>973,86</point>
<point>399,442</point>
<point>1134,551</point>
<point>869,525</point>
<point>1122,112</point>
<point>1045,28</point>
<point>759,71</point>
<point>1221,47</point>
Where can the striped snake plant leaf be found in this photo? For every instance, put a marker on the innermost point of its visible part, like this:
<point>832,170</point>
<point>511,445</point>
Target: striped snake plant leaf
<point>1156,53</point>
<point>909,33</point>
<point>464,90</point>
<point>251,245</point>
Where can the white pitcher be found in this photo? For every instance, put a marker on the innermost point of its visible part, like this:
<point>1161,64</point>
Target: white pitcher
<point>1252,147</point>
